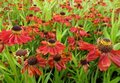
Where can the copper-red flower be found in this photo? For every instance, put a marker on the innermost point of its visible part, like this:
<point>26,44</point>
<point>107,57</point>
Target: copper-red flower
<point>52,47</point>
<point>104,50</point>
<point>57,61</point>
<point>79,31</point>
<point>14,36</point>
<point>48,35</point>
<point>34,8</point>
<point>32,65</point>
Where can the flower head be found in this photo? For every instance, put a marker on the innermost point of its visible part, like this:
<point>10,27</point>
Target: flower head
<point>51,46</point>
<point>31,64</point>
<point>14,36</point>
<point>57,61</point>
<point>79,31</point>
<point>104,51</point>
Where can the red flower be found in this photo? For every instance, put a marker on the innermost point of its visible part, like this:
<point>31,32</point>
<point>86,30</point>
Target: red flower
<point>106,19</point>
<point>78,1</point>
<point>75,16</point>
<point>31,64</point>
<point>35,8</point>
<point>48,35</point>
<point>31,30</point>
<point>52,47</point>
<point>79,31</point>
<point>68,7</point>
<point>104,51</point>
<point>71,41</point>
<point>14,36</point>
<point>57,61</point>
<point>96,21</point>
<point>62,18</point>
<point>57,18</point>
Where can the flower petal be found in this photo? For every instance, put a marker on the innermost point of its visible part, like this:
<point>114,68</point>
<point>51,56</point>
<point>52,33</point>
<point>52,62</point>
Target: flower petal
<point>104,62</point>
<point>92,55</point>
<point>115,59</point>
<point>86,46</point>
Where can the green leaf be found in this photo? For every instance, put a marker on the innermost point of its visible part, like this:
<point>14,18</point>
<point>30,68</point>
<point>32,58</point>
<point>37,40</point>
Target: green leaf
<point>47,78</point>
<point>106,34</point>
<point>8,79</point>
<point>116,80</point>
<point>58,34</point>
<point>74,60</point>
<point>116,46</point>
<point>64,32</point>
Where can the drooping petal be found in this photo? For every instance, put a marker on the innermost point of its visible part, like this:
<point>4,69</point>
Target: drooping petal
<point>116,52</point>
<point>37,71</point>
<point>92,55</point>
<point>86,46</point>
<point>115,59</point>
<point>59,68</point>
<point>41,61</point>
<point>104,62</point>
<point>30,71</point>
<point>51,62</point>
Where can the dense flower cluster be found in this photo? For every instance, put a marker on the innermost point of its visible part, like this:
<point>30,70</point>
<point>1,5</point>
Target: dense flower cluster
<point>43,37</point>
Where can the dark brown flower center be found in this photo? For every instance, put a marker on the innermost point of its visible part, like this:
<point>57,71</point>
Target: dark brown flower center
<point>32,61</point>
<point>34,5</point>
<point>57,58</point>
<point>21,52</point>
<point>45,33</point>
<point>16,28</point>
<point>43,21</point>
<point>62,13</point>
<point>51,41</point>
<point>104,45</point>
<point>81,26</point>
<point>30,15</point>
<point>84,62</point>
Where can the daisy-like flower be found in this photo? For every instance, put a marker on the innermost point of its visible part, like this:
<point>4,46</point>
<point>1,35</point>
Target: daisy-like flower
<point>32,18</point>
<point>31,30</point>
<point>34,8</point>
<point>32,63</point>
<point>61,18</point>
<point>14,36</point>
<point>51,46</point>
<point>48,35</point>
<point>57,61</point>
<point>104,51</point>
<point>79,31</point>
